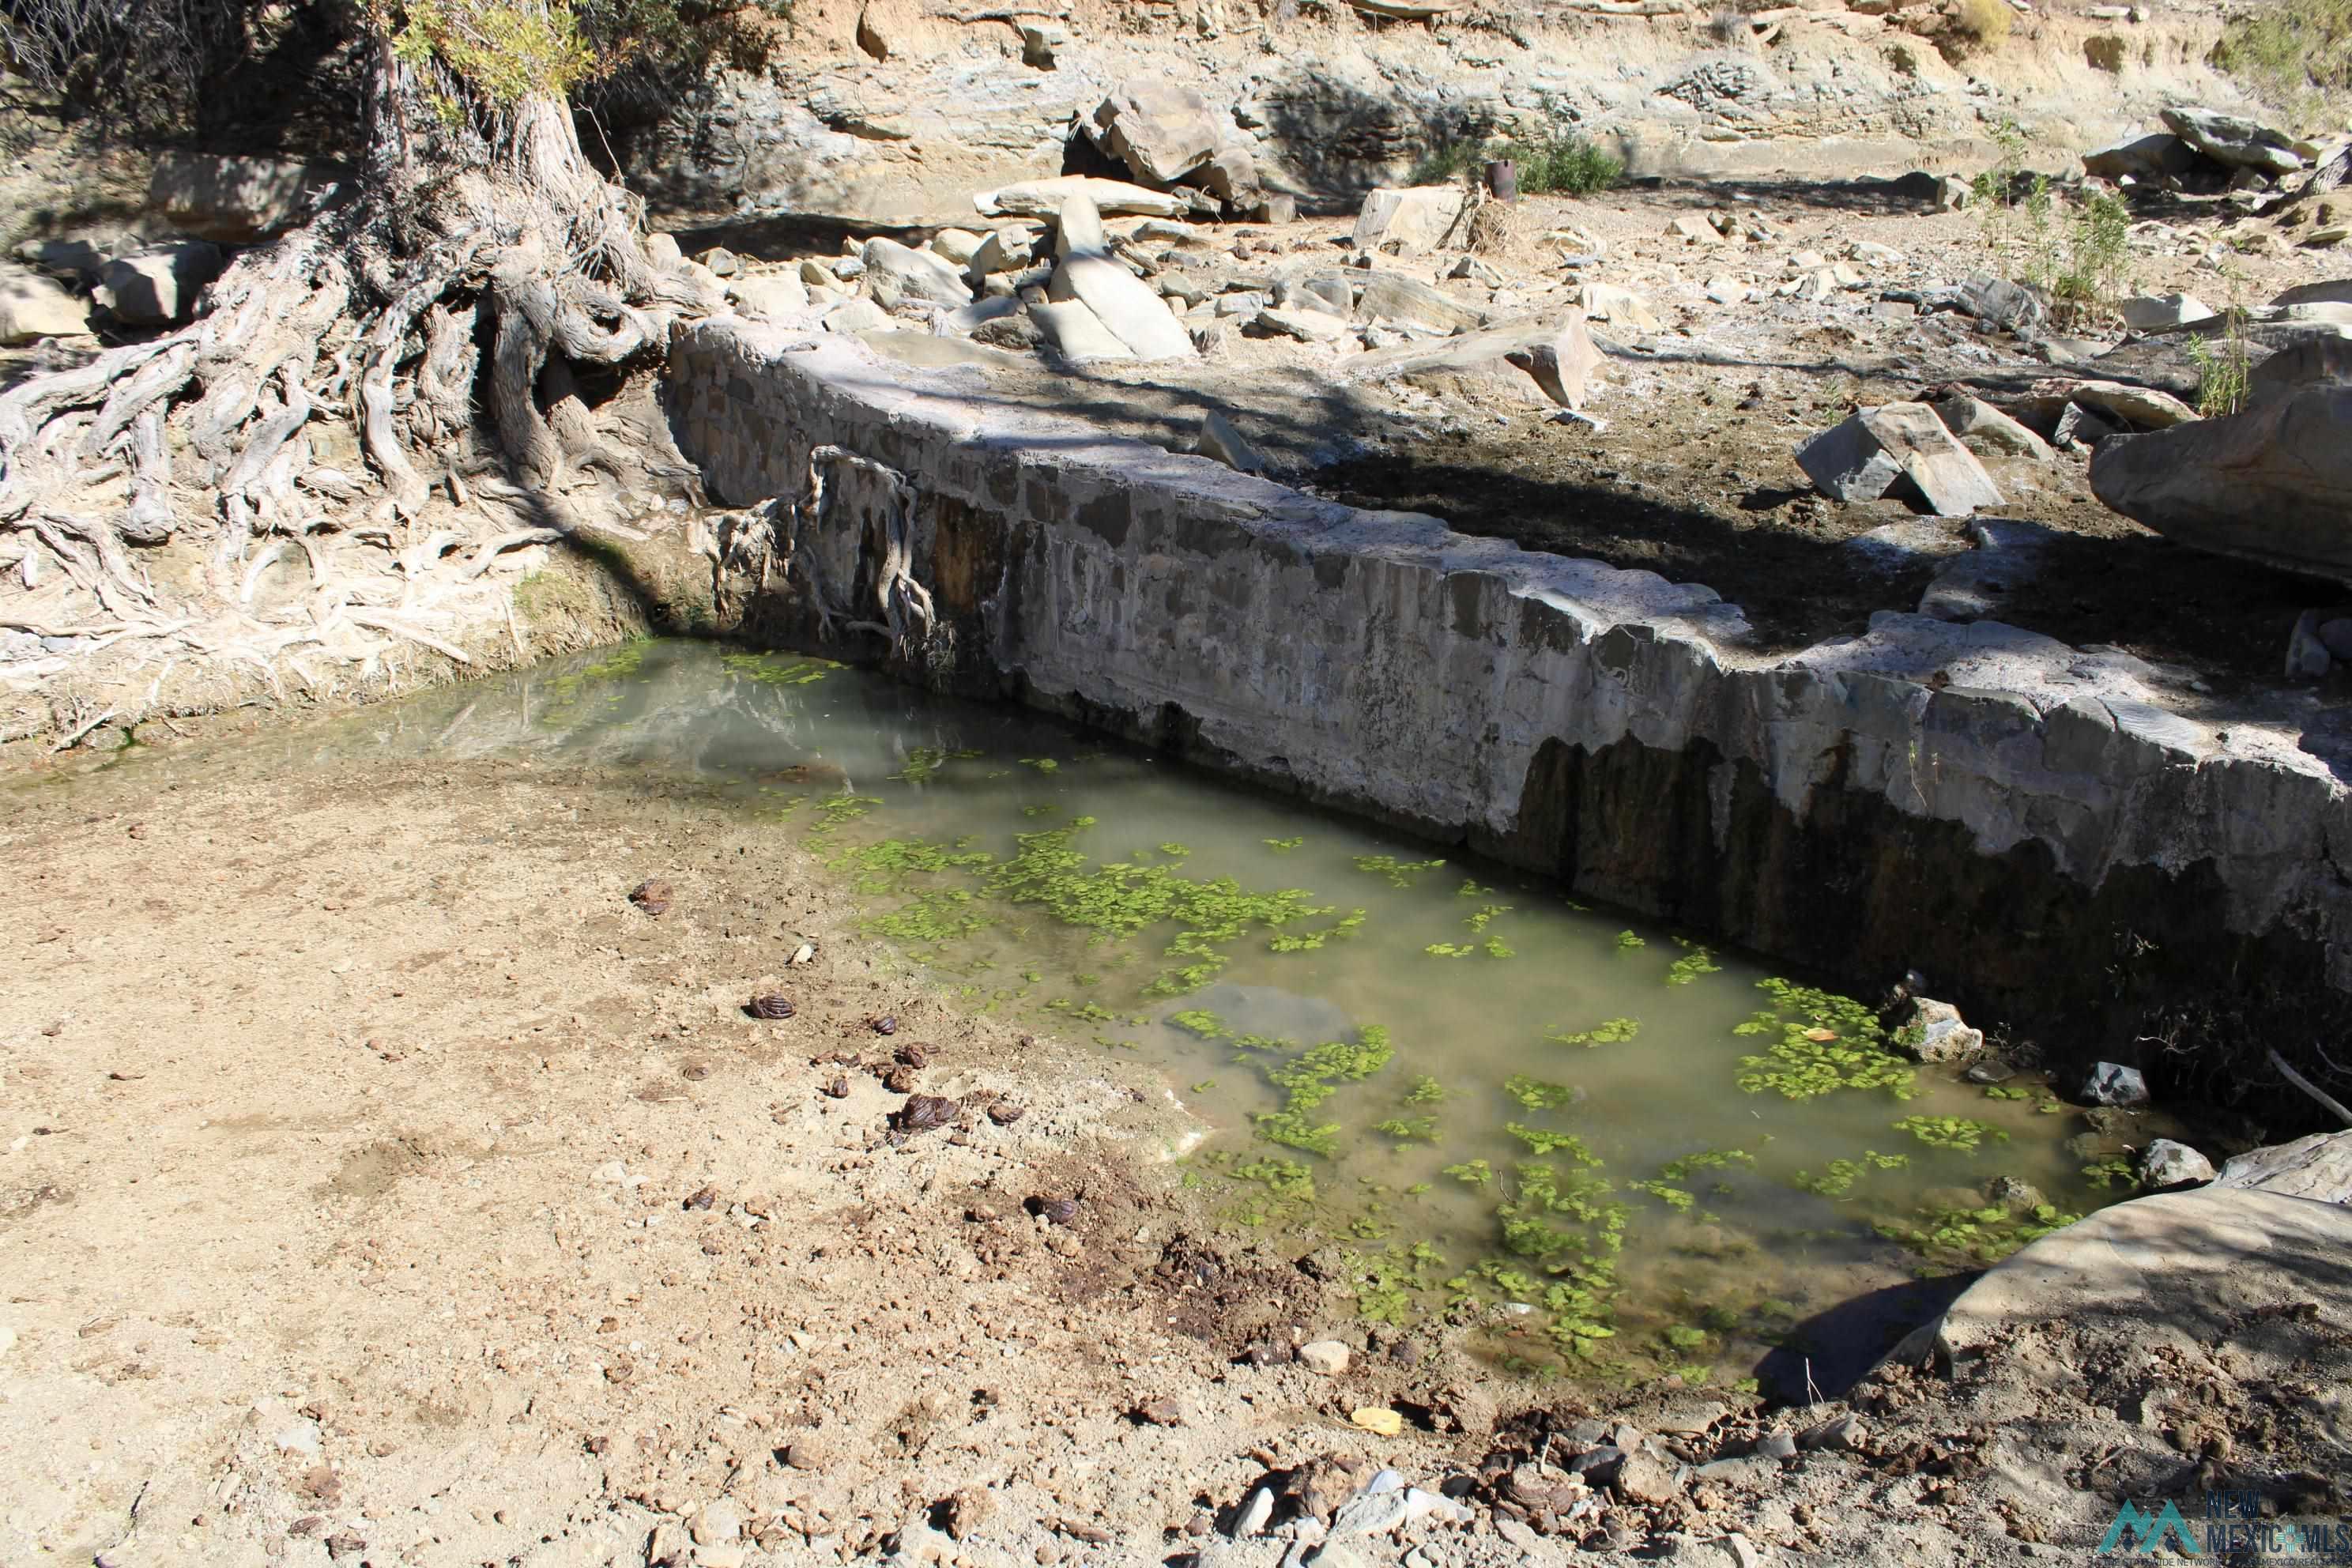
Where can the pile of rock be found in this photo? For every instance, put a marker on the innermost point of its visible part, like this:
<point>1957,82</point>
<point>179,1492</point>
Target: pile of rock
<point>2206,152</point>
<point>200,209</point>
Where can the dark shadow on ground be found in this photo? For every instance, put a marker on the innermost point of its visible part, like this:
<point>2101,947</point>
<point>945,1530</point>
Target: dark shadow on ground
<point>780,237</point>
<point>1826,1355</point>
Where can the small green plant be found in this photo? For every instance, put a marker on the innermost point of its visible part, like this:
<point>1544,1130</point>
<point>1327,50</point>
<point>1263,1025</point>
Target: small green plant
<point>1556,163</point>
<point>1950,1132</point>
<point>1608,1032</point>
<point>1408,1129</point>
<point>2224,367</point>
<point>1471,1172</point>
<point>1977,27</point>
<point>1627,942</point>
<point>1283,846</point>
<point>1400,873</point>
<point>1841,1175</point>
<point>1449,949</point>
<point>1537,1094</point>
<point>1686,969</point>
<point>1424,1090</point>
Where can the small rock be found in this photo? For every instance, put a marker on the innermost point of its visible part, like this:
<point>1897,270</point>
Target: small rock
<point>804,1454</point>
<point>1377,1418</point>
<point>1159,1413</point>
<point>1374,1513</point>
<point>2011,1192</point>
<point>2111,1084</point>
<point>1990,1070</point>
<point>1725,289</point>
<point>722,262</point>
<point>1328,1357</point>
<point>1257,1510</point>
<point>1777,1444</point>
<point>716,1523</point>
<point>1646,1477</point>
<point>1307,326</point>
<point>1861,459</point>
<point>1219,440</point>
<point>2170,1165</point>
<point>1837,1432</point>
<point>1937,1032</point>
<point>2152,312</point>
<point>1689,1419</point>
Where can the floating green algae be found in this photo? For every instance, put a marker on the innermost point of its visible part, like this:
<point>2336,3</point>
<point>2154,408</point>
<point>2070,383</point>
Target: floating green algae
<point>1951,1131</point>
<point>924,762</point>
<point>1537,1095</point>
<point>1826,1042</point>
<point>1400,873</point>
<point>1838,1178</point>
<point>1608,1032</point>
<point>777,668</point>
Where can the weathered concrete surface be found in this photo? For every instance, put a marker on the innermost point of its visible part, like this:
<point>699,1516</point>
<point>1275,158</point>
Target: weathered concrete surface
<point>2023,820</point>
<point>2195,1263</point>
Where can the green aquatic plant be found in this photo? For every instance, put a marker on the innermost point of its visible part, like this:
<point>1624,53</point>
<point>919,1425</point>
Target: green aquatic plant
<point>931,918</point>
<point>1537,1095</point>
<point>1042,764</point>
<point>1201,1022</point>
<point>1424,1090</point>
<point>1545,1142</point>
<point>1046,809</point>
<point>1706,1159</point>
<point>923,761</point>
<point>1826,1042</point>
<point>1308,941</point>
<point>2115,1170</point>
<point>1627,941</point>
<point>1285,1179</point>
<point>1472,1173</point>
<point>1282,846</point>
<point>1608,1032</point>
<point>1839,1177</point>
<point>1449,949</point>
<point>2007,1092</point>
<point>1485,916</point>
<point>1674,1198</point>
<point>1400,873</point>
<point>1114,900</point>
<point>776,668</point>
<point>1311,1078</point>
<point>845,807</point>
<point>881,867</point>
<point>1686,969</point>
<point>1963,1236</point>
<point>1408,1129</point>
<point>1497,948</point>
<point>1950,1132</point>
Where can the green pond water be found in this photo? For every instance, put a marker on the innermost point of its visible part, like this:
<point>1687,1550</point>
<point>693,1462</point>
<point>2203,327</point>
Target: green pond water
<point>1616,1151</point>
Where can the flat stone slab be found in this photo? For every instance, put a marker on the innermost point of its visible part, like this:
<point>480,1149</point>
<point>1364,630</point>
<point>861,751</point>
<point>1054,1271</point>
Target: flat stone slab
<point>2194,1261</point>
<point>2318,1167</point>
<point>1860,459</point>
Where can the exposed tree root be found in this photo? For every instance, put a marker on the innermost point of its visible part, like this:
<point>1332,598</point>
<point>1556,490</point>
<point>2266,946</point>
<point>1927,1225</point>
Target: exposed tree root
<point>332,409</point>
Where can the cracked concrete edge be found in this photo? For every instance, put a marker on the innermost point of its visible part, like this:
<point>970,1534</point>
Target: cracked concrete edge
<point>1380,658</point>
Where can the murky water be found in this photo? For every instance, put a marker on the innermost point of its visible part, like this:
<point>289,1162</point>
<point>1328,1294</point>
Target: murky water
<point>1480,1094</point>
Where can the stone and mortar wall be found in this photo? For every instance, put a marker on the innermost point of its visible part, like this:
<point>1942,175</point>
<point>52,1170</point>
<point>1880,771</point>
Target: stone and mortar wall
<point>2021,820</point>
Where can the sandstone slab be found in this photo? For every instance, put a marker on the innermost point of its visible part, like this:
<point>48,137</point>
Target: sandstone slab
<point>2272,484</point>
<point>1137,316</point>
<point>1407,219</point>
<point>1861,459</point>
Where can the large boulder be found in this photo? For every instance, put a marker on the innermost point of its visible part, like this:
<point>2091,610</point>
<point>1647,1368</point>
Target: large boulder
<point>2314,361</point>
<point>158,288</point>
<point>1136,316</point>
<point>1160,129</point>
<point>234,201</point>
<point>1861,459</point>
<point>2148,157</point>
<point>32,307</point>
<point>2239,142</point>
<point>1408,219</point>
<point>769,293</point>
<point>2272,484</point>
<point>1397,298</point>
<point>1073,332</point>
<point>900,271</point>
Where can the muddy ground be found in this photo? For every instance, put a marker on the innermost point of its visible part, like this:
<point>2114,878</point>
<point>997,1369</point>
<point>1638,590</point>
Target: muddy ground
<point>379,1184</point>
